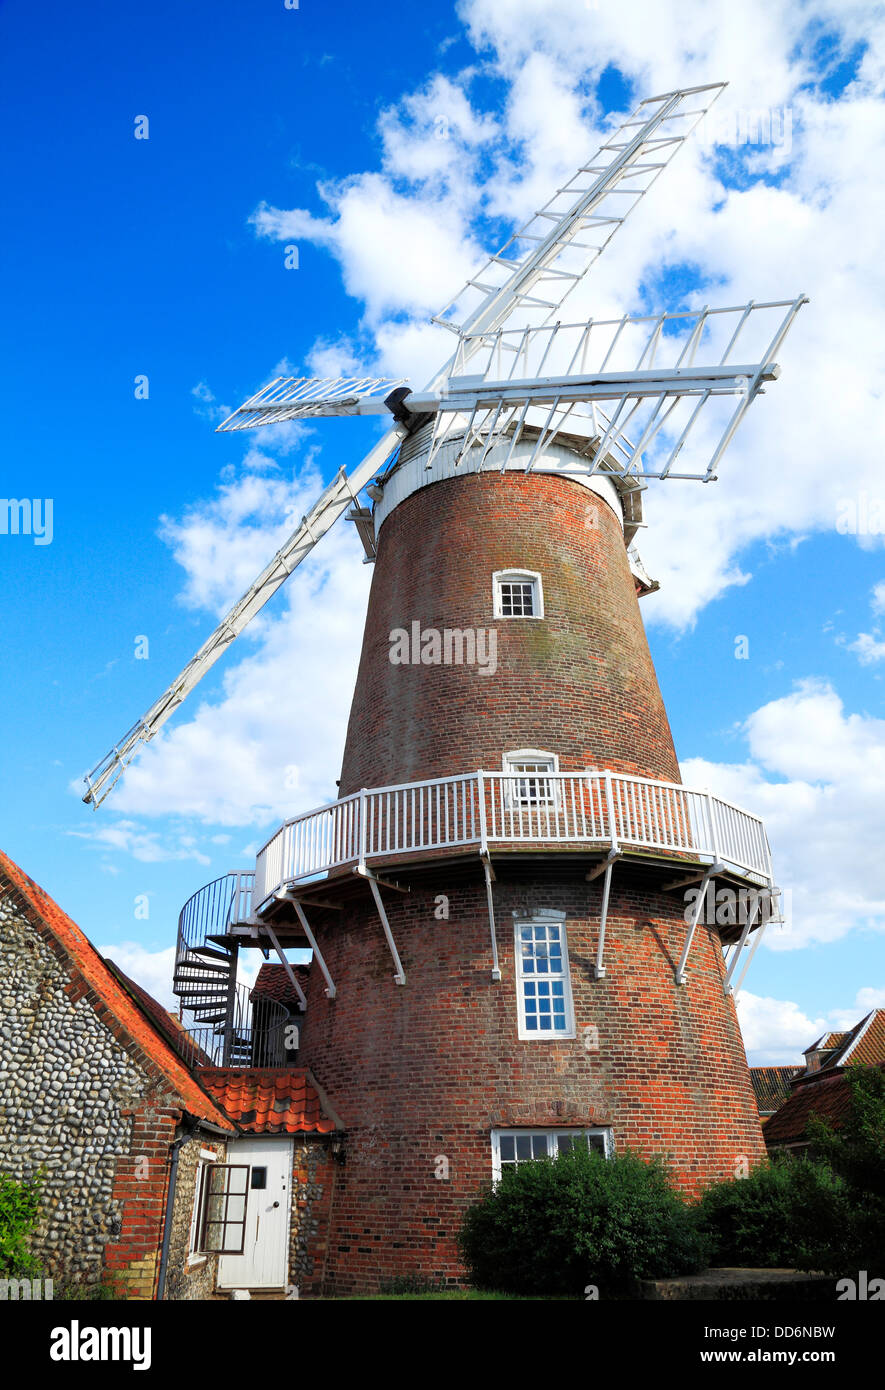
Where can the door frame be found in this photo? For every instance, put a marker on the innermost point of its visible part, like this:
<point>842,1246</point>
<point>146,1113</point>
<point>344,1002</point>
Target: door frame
<point>276,1142</point>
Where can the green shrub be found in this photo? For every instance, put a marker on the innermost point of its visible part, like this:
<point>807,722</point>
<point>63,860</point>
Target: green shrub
<point>19,1206</point>
<point>554,1225</point>
<point>856,1154</point>
<point>790,1213</point>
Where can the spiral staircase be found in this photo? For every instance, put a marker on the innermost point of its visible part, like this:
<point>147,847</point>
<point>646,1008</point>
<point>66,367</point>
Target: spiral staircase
<point>230,1024</point>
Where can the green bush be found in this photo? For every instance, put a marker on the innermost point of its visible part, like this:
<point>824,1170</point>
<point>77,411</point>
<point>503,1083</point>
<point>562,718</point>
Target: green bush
<point>19,1206</point>
<point>555,1225</point>
<point>789,1213</point>
<point>856,1154</point>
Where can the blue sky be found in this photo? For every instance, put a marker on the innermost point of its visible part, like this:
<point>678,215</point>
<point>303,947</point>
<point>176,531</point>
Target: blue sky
<point>165,257</point>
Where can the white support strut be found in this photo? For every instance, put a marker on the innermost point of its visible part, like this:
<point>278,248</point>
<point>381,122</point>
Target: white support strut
<point>748,927</point>
<point>400,976</point>
<point>711,873</point>
<point>488,871</point>
<point>287,966</point>
<point>598,968</point>
<point>331,990</point>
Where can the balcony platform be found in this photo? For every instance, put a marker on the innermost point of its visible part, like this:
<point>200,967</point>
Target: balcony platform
<point>488,826</point>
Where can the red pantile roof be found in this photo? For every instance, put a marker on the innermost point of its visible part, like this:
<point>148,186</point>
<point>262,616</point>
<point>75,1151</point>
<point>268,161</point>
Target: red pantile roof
<point>271,1100</point>
<point>771,1086</point>
<point>827,1095</point>
<point>865,1043</point>
<point>273,982</point>
<point>828,1042</point>
<point>104,990</point>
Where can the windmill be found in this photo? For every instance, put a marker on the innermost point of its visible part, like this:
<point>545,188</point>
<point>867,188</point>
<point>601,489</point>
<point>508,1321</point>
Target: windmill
<point>506,498</point>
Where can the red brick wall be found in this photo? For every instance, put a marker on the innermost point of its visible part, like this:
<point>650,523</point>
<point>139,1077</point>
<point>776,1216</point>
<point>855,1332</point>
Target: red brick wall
<point>430,1068</point>
<point>132,1259</point>
<point>579,682</point>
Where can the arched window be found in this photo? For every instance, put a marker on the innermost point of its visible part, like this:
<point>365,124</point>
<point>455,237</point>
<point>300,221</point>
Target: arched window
<point>528,787</point>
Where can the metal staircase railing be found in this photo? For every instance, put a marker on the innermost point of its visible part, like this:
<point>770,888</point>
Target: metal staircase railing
<point>231,1025</point>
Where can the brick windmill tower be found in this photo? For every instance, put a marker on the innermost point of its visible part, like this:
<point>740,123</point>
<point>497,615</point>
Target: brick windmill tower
<point>505,904</point>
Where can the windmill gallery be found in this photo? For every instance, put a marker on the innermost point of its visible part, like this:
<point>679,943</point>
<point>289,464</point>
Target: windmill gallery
<point>543,802</point>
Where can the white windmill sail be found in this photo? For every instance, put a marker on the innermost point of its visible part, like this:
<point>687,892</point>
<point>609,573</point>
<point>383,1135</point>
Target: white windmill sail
<point>603,377</point>
<point>507,322</point>
<point>297,398</point>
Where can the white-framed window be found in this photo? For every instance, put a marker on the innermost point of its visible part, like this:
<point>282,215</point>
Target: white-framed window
<point>222,1199</point>
<point>513,1146</point>
<point>194,1257</point>
<point>543,985</point>
<point>518,594</point>
<point>528,787</point>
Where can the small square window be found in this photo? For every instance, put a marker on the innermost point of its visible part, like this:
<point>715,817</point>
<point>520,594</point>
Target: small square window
<point>517,594</point>
<point>528,788</point>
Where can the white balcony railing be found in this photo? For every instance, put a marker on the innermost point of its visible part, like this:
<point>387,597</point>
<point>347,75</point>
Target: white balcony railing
<point>487,809</point>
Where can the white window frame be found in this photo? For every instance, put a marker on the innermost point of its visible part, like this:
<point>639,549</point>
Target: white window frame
<point>552,1136</point>
<point>512,800</point>
<point>207,1156</point>
<point>517,576</point>
<point>537,919</point>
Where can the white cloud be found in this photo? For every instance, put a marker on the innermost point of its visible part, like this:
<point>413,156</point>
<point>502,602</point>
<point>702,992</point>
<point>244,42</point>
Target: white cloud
<point>153,970</point>
<point>224,543</point>
<point>815,775</point>
<point>865,1001</point>
<point>146,846</point>
<point>870,646</point>
<point>271,743</point>
<point>150,969</point>
<point>399,254</point>
<point>775,1031</point>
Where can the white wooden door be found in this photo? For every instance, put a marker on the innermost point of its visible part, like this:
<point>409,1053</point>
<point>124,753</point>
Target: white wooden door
<point>264,1261</point>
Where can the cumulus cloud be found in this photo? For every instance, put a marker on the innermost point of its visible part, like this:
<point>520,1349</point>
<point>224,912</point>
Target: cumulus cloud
<point>147,846</point>
<point>814,774</point>
<point>150,969</point>
<point>271,742</point>
<point>870,646</point>
<point>776,1032</point>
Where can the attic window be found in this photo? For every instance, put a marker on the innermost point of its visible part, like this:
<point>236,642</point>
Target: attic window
<point>528,788</point>
<point>518,594</point>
